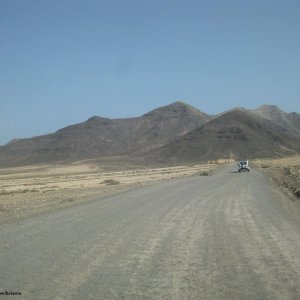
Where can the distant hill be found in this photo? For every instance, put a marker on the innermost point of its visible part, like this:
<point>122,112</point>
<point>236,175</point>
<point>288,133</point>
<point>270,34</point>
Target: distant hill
<point>290,121</point>
<point>236,134</point>
<point>176,133</point>
<point>98,137</point>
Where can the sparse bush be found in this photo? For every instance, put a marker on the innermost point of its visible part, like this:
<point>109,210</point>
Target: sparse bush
<point>297,193</point>
<point>5,193</point>
<point>29,191</point>
<point>110,182</point>
<point>204,173</point>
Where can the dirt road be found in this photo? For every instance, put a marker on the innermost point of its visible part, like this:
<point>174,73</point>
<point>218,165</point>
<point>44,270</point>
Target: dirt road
<point>226,236</point>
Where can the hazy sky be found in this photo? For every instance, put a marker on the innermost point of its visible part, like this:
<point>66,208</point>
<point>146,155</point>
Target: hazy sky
<point>62,62</point>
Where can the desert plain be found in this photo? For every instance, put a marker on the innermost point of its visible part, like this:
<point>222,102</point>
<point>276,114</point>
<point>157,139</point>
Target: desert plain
<point>35,189</point>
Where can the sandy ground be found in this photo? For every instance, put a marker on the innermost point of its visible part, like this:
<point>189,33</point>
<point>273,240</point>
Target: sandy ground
<point>27,190</point>
<point>285,172</point>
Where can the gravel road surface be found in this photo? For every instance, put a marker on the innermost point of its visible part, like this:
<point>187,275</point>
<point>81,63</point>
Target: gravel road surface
<point>225,236</point>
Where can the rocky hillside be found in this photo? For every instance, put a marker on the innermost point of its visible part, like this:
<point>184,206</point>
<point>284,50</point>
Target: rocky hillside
<point>290,121</point>
<point>176,133</point>
<point>98,137</point>
<point>237,134</point>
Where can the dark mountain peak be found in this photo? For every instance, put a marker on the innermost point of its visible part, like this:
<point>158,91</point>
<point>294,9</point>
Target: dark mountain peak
<point>243,117</point>
<point>273,113</point>
<point>270,112</point>
<point>180,105</point>
<point>268,107</point>
<point>238,108</point>
<point>97,119</point>
<point>175,109</point>
<point>236,113</point>
<point>235,134</point>
<point>290,121</point>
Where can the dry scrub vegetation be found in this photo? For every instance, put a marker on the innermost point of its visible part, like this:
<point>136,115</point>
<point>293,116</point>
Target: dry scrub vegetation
<point>28,190</point>
<point>284,171</point>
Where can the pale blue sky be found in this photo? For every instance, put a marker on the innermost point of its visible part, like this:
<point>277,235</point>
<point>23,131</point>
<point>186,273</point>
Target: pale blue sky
<point>64,61</point>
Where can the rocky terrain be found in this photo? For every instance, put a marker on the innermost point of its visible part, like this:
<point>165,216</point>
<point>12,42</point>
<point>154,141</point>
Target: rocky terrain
<point>290,121</point>
<point>98,137</point>
<point>236,134</point>
<point>285,172</point>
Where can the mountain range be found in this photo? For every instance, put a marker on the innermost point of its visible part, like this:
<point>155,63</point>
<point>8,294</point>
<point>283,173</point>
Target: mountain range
<point>176,133</point>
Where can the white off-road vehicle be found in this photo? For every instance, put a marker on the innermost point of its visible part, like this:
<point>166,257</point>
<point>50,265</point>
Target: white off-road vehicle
<point>243,165</point>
